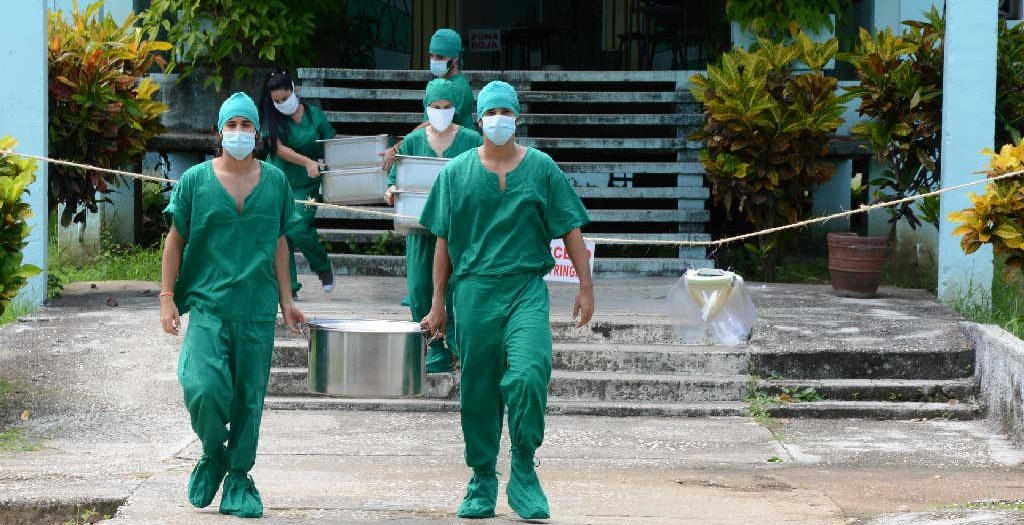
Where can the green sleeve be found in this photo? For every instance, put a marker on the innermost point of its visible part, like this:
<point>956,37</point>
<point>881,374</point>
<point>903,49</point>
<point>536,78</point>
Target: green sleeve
<point>178,212</point>
<point>565,211</point>
<point>289,216</point>
<point>324,129</point>
<point>437,212</point>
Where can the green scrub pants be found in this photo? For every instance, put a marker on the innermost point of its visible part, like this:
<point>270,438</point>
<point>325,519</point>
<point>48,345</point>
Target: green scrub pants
<point>224,368</point>
<point>304,237</point>
<point>419,264</point>
<point>504,343</point>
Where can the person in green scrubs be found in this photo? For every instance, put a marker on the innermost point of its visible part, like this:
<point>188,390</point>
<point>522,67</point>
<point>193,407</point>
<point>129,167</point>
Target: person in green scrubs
<point>292,129</point>
<point>442,138</point>
<point>494,211</point>
<point>225,262</point>
<point>445,50</point>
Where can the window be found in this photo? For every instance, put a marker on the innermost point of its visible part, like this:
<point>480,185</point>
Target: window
<point>1011,9</point>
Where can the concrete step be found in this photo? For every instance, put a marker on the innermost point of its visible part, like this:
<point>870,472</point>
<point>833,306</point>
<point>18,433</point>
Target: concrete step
<point>370,236</point>
<point>581,386</point>
<point>679,78</point>
<point>394,265</point>
<point>555,406</point>
<point>660,359</point>
<point>877,410</point>
<point>894,390</point>
<point>574,97</point>
<point>819,409</point>
<point>528,119</point>
<point>937,363</point>
<point>696,216</point>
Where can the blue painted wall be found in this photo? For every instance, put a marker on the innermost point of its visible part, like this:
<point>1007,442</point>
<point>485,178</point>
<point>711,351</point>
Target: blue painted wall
<point>23,41</point>
<point>968,126</point>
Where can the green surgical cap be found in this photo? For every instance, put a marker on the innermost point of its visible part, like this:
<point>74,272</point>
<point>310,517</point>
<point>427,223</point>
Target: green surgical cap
<point>441,89</point>
<point>446,42</point>
<point>497,94</point>
<point>238,105</point>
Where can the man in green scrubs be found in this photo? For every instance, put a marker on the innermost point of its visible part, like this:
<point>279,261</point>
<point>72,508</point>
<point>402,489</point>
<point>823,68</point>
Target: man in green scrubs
<point>445,50</point>
<point>442,138</point>
<point>494,211</point>
<point>226,261</point>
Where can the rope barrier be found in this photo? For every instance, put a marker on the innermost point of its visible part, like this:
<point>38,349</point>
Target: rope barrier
<point>603,240</point>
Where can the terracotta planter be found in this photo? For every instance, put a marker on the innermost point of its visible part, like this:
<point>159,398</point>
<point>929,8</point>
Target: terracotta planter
<point>856,264</point>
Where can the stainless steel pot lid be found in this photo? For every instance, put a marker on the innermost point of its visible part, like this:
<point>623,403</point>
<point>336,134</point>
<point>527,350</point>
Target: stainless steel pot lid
<point>366,326</point>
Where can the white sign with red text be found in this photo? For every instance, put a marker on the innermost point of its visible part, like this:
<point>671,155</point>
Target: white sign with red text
<point>484,40</point>
<point>564,272</point>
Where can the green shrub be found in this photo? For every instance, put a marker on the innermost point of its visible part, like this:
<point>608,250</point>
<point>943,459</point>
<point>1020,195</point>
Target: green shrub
<point>900,94</point>
<point>228,38</point>
<point>102,110</point>
<point>767,132</point>
<point>16,174</point>
<point>777,19</point>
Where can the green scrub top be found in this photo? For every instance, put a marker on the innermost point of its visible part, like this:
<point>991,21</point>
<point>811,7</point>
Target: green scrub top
<point>302,138</point>
<point>464,112</point>
<point>227,268</point>
<point>416,144</point>
<point>491,232</point>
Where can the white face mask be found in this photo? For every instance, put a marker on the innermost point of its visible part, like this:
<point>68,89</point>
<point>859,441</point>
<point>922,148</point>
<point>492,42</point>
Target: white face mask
<point>440,119</point>
<point>499,128</point>
<point>439,67</point>
<point>238,144</point>
<point>289,106</point>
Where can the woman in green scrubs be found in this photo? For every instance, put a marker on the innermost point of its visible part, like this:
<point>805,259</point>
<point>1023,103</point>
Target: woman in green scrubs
<point>225,261</point>
<point>494,210</point>
<point>292,130</point>
<point>445,49</point>
<point>442,138</point>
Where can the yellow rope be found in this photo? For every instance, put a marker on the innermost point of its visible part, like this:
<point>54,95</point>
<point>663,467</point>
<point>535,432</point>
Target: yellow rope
<point>603,240</point>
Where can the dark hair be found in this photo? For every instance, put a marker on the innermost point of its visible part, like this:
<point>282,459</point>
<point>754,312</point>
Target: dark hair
<point>274,122</point>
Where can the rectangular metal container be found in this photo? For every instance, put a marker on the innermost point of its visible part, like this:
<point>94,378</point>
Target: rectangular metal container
<point>346,152</point>
<point>365,185</point>
<point>366,358</point>
<point>409,203</point>
<point>417,172</point>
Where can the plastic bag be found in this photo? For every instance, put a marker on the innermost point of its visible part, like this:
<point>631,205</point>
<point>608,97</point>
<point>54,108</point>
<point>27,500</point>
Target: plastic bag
<point>711,307</point>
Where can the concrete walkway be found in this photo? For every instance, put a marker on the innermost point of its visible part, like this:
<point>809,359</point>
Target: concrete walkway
<point>106,425</point>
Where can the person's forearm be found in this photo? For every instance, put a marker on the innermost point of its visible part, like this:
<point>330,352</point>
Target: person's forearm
<point>579,256</point>
<point>284,278</point>
<point>170,262</point>
<point>442,271</point>
<point>289,155</point>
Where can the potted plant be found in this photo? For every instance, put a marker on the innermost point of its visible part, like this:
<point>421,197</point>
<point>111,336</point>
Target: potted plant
<point>900,94</point>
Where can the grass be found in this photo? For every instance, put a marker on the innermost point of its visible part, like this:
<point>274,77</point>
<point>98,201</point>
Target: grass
<point>1006,308</point>
<point>118,263</point>
<point>13,312</point>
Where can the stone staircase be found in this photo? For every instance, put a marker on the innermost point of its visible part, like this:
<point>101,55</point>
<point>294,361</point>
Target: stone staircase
<point>620,134</point>
<point>634,366</point>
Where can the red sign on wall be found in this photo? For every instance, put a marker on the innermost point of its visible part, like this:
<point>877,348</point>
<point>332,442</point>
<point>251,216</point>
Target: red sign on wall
<point>484,40</point>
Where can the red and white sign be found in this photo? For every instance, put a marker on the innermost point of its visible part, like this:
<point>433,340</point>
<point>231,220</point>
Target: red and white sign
<point>564,272</point>
<point>484,40</point>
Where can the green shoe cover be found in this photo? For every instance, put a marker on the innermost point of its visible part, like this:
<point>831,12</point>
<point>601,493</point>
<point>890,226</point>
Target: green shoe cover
<point>205,480</point>
<point>525,496</point>
<point>481,495</point>
<point>240,497</point>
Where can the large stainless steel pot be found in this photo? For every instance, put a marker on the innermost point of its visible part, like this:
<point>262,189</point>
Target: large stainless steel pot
<point>366,358</point>
<point>364,185</point>
<point>417,172</point>
<point>409,203</point>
